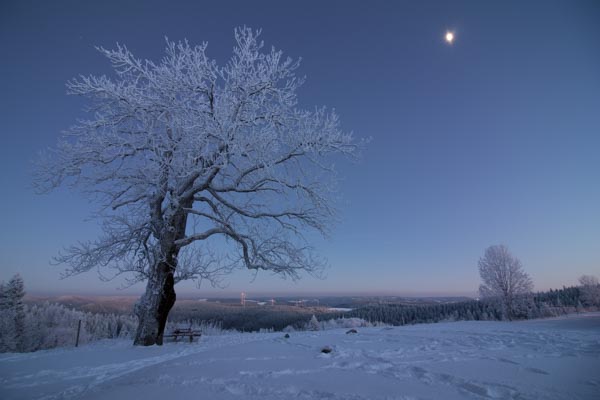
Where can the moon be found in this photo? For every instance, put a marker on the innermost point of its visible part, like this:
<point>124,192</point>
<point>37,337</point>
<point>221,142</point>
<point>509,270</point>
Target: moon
<point>449,37</point>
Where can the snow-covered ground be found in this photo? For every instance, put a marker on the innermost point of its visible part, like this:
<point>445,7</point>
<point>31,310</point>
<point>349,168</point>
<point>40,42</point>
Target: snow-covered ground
<point>543,359</point>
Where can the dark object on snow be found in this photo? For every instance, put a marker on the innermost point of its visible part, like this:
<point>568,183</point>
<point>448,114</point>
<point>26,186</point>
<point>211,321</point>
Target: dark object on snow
<point>326,350</point>
<point>184,333</point>
<point>287,336</point>
<point>351,331</point>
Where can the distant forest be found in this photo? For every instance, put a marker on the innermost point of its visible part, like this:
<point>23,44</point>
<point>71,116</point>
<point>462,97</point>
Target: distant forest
<point>249,318</point>
<point>538,305</point>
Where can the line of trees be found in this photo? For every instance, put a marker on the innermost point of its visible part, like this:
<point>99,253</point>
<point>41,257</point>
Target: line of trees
<point>25,328</point>
<point>538,305</point>
<point>505,282</point>
<point>506,292</point>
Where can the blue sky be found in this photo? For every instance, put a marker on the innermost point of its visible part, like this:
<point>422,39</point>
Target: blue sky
<point>494,139</point>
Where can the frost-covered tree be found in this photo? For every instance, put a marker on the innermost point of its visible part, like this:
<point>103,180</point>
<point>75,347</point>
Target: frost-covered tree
<point>590,290</point>
<point>50,325</point>
<point>6,322</point>
<point>3,296</point>
<point>503,277</point>
<point>12,314</point>
<point>314,324</point>
<point>185,151</point>
<point>15,290</point>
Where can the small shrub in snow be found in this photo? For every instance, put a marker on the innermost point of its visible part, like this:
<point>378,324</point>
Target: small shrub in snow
<point>345,323</point>
<point>313,324</point>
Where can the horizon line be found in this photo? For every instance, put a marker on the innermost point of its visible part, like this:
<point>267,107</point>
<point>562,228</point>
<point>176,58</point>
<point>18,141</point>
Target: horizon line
<point>230,295</point>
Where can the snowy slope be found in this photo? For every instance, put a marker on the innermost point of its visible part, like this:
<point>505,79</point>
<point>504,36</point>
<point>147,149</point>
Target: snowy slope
<point>544,359</point>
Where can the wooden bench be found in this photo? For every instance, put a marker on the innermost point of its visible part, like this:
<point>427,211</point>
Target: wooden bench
<point>185,332</point>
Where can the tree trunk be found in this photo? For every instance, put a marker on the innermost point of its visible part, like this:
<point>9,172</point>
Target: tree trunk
<point>154,306</point>
<point>508,306</point>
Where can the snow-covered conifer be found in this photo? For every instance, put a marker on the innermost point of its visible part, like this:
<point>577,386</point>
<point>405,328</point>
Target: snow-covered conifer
<point>314,324</point>
<point>15,290</point>
<point>6,322</point>
<point>12,314</point>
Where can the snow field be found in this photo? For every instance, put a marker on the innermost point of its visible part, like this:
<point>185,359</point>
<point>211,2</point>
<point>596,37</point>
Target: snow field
<point>543,359</point>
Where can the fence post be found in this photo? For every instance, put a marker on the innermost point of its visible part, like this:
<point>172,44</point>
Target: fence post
<point>78,329</point>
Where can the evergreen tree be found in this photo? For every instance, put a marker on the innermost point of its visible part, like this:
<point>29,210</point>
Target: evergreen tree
<point>15,292</point>
<point>6,322</point>
<point>313,324</point>
<point>3,299</point>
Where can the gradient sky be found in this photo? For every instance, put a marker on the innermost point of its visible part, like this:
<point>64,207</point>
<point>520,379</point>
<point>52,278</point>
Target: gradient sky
<point>495,139</point>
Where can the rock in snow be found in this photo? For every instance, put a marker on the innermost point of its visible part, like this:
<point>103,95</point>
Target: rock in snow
<point>542,359</point>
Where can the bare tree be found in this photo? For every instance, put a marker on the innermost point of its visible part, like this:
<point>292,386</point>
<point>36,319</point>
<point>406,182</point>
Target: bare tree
<point>183,152</point>
<point>503,277</point>
<point>590,290</point>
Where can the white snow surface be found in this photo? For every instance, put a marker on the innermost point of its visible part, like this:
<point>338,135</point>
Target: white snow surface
<point>541,359</point>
